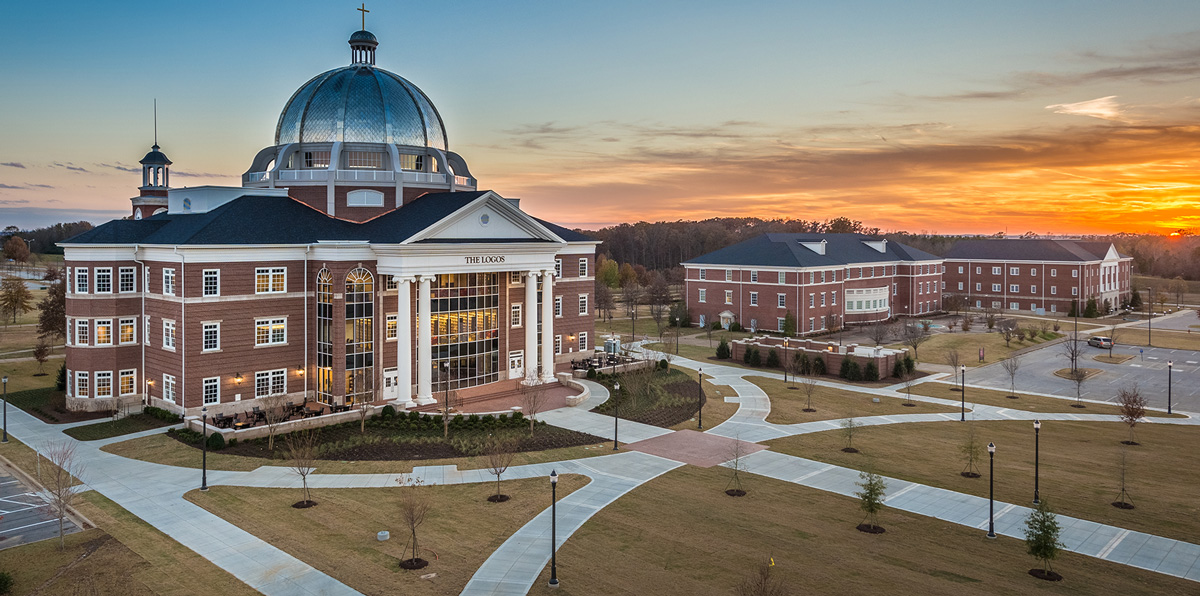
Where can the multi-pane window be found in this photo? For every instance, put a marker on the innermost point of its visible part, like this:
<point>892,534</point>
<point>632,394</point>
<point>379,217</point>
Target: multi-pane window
<point>583,267</point>
<point>996,270</point>
<point>168,282</point>
<point>146,326</point>
<point>978,286</point>
<point>211,337</point>
<point>81,384</point>
<point>558,344</point>
<point>782,277</point>
<point>127,385</point>
<point>1074,291</point>
<point>1032,271</point>
<point>168,340</point>
<point>168,387</point>
<point>127,331</point>
<point>409,161</point>
<point>558,306</point>
<point>583,341</point>
<point>515,277</point>
<point>104,385</point>
<point>703,274</point>
<point>104,286</point>
<point>391,282</point>
<point>316,159</point>
<point>1054,273</point>
<point>583,304</point>
<point>127,280</point>
<point>822,298</point>
<point>781,300</point>
<point>391,327</point>
<point>81,332</point>
<point>1074,273</point>
<point>146,279</point>
<point>212,282</point>
<point>812,300</point>
<point>729,275</point>
<point>270,332</point>
<point>960,269</point>
<point>753,276</point>
<point>212,390</point>
<point>1014,271</point>
<point>753,298</point>
<point>1053,290</point>
<point>104,329</point>
<point>515,317</point>
<point>834,296</point>
<point>995,287</point>
<point>728,296</point>
<point>81,280</point>
<point>960,286</point>
<point>779,323</point>
<point>364,159</point>
<point>360,335</point>
<point>1014,288</point>
<point>270,280</point>
<point>557,268</point>
<point>324,336</point>
<point>270,382</point>
<point>465,320</point>
<point>703,295</point>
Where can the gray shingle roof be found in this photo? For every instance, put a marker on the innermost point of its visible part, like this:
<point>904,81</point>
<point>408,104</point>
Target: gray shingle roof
<point>787,250</point>
<point>1029,249</point>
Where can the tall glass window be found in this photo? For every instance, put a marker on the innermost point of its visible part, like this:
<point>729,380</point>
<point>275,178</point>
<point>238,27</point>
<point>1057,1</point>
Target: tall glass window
<point>324,336</point>
<point>466,343</point>
<point>360,336</point>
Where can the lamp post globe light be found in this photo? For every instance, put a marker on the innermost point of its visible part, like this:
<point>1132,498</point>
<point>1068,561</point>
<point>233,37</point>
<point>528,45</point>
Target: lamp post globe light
<point>1037,441</point>
<point>553,529</point>
<point>5,380</point>
<point>962,394</point>
<point>991,490</point>
<point>616,404</point>
<point>204,449</point>
<point>700,401</point>
<point>1170,366</point>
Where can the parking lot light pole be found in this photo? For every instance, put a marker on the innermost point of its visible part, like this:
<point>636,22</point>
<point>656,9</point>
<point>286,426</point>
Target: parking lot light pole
<point>204,457</point>
<point>5,410</point>
<point>616,404</point>
<point>1037,441</point>
<point>991,490</point>
<point>553,529</point>
<point>1150,319</point>
<point>700,401</point>
<point>1170,366</point>
<point>963,392</point>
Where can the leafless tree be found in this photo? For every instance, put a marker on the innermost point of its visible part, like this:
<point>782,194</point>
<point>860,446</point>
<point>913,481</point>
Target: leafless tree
<point>849,426</point>
<point>954,360</point>
<point>1178,287</point>
<point>1008,329</point>
<point>879,332</point>
<point>364,411</point>
<point>913,336</point>
<point>762,583</point>
<point>533,400</point>
<point>1124,501</point>
<point>1043,327</point>
<point>1078,376</point>
<point>500,454</point>
<point>907,378</point>
<point>274,414</point>
<point>60,484</point>
<point>966,323</point>
<point>808,383</point>
<point>659,298</point>
<point>736,466</point>
<point>414,508</point>
<point>604,300</point>
<point>41,353</point>
<point>972,449</point>
<point>990,315</point>
<point>302,451</point>
<point>1012,365</point>
<point>631,294</point>
<point>1133,408</point>
<point>1072,349</point>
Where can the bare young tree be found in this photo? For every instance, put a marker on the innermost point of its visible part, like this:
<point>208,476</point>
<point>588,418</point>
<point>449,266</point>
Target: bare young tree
<point>364,411</point>
<point>1011,366</point>
<point>1043,328</point>
<point>274,414</point>
<point>966,322</point>
<point>1133,408</point>
<point>533,401</point>
<point>1072,349</point>
<point>41,353</point>
<point>302,452</point>
<point>762,583</point>
<point>849,427</point>
<point>1078,376</point>
<point>1008,329</point>
<point>1124,501</point>
<point>907,379</point>
<point>736,466</point>
<point>631,294</point>
<point>605,302</point>
<point>879,332</point>
<point>954,360</point>
<point>913,336</point>
<point>972,449</point>
<point>60,483</point>
<point>808,383</point>
<point>414,508</point>
<point>500,454</point>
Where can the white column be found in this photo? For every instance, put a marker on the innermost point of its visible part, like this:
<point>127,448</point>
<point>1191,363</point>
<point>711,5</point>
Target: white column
<point>529,312</point>
<point>424,343</point>
<point>547,359</point>
<point>404,343</point>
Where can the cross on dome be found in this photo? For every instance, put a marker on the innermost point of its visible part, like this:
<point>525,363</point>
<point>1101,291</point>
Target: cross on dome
<point>364,12</point>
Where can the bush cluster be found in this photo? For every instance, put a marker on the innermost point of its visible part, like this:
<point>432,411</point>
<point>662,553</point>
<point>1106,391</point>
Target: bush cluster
<point>417,421</point>
<point>723,350</point>
<point>161,414</point>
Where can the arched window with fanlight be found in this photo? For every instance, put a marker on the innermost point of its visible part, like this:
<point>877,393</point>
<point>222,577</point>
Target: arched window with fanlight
<point>324,336</point>
<point>360,336</point>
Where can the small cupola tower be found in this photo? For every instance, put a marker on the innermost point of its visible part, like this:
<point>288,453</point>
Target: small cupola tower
<point>363,42</point>
<point>152,194</point>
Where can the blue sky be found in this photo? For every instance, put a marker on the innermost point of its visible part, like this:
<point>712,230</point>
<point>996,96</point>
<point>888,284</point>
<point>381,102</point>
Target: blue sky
<point>664,110</point>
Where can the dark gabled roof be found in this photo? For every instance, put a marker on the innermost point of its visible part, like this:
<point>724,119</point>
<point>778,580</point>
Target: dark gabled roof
<point>254,219</point>
<point>564,233</point>
<point>787,250</point>
<point>1029,249</point>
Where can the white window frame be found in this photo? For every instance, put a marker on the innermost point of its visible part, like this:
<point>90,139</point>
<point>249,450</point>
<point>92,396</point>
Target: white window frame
<point>168,382</point>
<point>960,286</point>
<point>583,340</point>
<point>168,341</point>
<point>1074,273</point>
<point>132,322</point>
<point>995,287</point>
<point>728,296</point>
<point>583,267</point>
<point>781,300</point>
<point>1074,291</point>
<point>782,277</point>
<point>515,315</point>
<point>270,382</point>
<point>960,269</point>
<point>729,275</point>
<point>391,327</point>
<point>753,298</point>
<point>275,278</point>
<point>822,298</point>
<point>583,304</point>
<point>1032,289</point>
<point>979,271</point>
<point>753,276</point>
<point>1014,288</point>
<point>1053,290</point>
<point>105,375</point>
<point>132,273</point>
<point>108,323</point>
<point>702,295</point>
<point>364,197</point>
<point>1033,272</point>
<point>1014,271</point>
<point>270,323</point>
<point>557,268</point>
<point>558,347</point>
<point>812,300</point>
<point>131,374</point>
<point>146,326</point>
<point>1054,273</point>
<point>515,278</point>
<point>205,328</point>
<point>168,281</point>
<point>213,384</point>
<point>703,274</point>
<point>81,280</point>
<point>214,288</point>
<point>978,287</point>
<point>833,295</point>
<point>997,270</point>
<point>779,321</point>
<point>557,307</point>
<point>105,275</point>
<point>82,384</point>
<point>146,279</point>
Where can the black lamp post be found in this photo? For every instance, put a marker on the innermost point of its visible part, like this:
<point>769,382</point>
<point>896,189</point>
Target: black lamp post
<point>5,410</point>
<point>1170,366</point>
<point>991,490</point>
<point>1150,319</point>
<point>204,448</point>
<point>553,529</point>
<point>616,404</point>
<point>1037,441</point>
<point>700,401</point>
<point>962,394</point>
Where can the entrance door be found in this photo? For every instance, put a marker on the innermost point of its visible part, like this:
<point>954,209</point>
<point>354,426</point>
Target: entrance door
<point>516,364</point>
<point>391,384</point>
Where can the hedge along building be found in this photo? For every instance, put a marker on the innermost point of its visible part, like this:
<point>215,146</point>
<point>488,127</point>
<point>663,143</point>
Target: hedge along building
<point>358,262</point>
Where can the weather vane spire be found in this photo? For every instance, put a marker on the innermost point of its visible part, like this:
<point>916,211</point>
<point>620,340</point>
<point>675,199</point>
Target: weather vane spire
<point>156,122</point>
<point>364,11</point>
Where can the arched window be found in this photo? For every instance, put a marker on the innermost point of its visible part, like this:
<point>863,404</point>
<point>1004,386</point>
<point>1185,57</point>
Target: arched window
<point>324,336</point>
<point>360,336</point>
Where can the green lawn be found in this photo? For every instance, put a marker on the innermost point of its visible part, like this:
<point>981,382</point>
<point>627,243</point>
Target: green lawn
<point>128,425</point>
<point>995,349</point>
<point>1025,401</point>
<point>1079,471</point>
<point>787,405</point>
<point>679,534</point>
<point>21,374</point>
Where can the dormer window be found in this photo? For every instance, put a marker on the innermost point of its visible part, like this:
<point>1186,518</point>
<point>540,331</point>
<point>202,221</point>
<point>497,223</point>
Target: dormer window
<point>412,162</point>
<point>372,160</point>
<point>310,159</point>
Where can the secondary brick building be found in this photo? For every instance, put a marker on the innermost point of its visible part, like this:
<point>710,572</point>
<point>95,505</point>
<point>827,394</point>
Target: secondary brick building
<point>1038,275</point>
<point>824,280</point>
<point>378,290</point>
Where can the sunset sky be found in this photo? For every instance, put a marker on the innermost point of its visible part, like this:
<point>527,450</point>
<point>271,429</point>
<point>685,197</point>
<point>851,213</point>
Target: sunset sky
<point>942,117</point>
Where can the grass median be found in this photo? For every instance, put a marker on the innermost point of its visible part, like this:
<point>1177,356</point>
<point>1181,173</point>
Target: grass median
<point>787,405</point>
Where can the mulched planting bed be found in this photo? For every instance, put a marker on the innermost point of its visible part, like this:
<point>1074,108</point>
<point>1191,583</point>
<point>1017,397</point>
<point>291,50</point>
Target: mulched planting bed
<point>408,437</point>
<point>1051,576</point>
<point>672,400</point>
<point>869,529</point>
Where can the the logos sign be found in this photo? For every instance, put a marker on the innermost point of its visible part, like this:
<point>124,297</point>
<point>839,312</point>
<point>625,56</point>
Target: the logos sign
<point>485,260</point>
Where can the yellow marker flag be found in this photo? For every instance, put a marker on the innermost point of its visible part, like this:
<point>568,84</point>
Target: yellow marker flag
<point>772,562</point>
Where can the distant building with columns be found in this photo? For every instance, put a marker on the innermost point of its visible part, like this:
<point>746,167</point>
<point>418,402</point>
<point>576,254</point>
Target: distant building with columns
<point>357,262</point>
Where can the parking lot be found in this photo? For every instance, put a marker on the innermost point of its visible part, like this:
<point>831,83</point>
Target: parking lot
<point>24,516</point>
<point>1148,369</point>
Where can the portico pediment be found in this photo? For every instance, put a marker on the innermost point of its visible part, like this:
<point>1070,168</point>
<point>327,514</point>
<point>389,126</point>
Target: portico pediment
<point>490,218</point>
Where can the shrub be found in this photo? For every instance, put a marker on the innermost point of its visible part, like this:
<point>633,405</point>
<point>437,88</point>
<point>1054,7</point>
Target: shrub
<point>6,582</point>
<point>60,383</point>
<point>803,366</point>
<point>161,414</point>
<point>844,372</point>
<point>518,418</point>
<point>772,359</point>
<point>591,373</point>
<point>818,365</point>
<point>898,370</point>
<point>216,442</point>
<point>723,350</point>
<point>871,371</point>
<point>735,327</point>
<point>414,416</point>
<point>910,365</point>
<point>663,364</point>
<point>853,371</point>
<point>716,325</point>
<point>387,412</point>
<point>232,443</point>
<point>756,358</point>
<point>746,354</point>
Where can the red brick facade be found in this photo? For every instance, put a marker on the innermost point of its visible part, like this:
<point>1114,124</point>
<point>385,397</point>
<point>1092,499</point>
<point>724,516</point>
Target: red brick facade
<point>1033,286</point>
